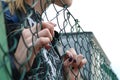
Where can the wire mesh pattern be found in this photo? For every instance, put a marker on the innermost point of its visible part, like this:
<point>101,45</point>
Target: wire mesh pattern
<point>48,64</point>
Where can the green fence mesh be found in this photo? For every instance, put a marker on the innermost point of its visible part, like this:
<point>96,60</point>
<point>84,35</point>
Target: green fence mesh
<point>71,35</point>
<point>4,60</point>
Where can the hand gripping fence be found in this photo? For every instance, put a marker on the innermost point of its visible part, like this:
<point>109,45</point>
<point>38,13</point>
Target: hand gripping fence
<point>49,63</point>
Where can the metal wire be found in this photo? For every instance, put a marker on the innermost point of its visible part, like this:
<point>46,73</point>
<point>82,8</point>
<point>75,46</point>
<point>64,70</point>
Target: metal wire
<point>48,63</point>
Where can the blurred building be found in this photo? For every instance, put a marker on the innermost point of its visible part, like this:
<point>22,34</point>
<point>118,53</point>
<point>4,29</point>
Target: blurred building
<point>98,65</point>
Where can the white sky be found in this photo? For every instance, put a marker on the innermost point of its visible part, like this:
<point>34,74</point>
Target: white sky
<point>102,17</point>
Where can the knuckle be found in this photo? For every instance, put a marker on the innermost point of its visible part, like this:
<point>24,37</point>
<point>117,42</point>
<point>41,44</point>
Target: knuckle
<point>41,40</point>
<point>23,32</point>
<point>26,33</point>
<point>47,30</point>
<point>52,27</point>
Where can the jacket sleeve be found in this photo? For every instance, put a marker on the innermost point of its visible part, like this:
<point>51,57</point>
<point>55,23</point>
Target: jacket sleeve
<point>12,24</point>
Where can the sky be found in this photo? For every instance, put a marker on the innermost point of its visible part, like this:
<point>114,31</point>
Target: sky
<point>102,17</point>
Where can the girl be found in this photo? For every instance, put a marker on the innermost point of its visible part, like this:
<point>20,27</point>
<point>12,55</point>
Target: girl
<point>33,44</point>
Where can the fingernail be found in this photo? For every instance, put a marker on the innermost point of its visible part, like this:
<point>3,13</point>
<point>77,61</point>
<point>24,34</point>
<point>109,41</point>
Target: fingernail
<point>70,59</point>
<point>69,56</point>
<point>72,67</point>
<point>54,25</point>
<point>51,38</point>
<point>74,61</point>
<point>48,47</point>
<point>83,57</point>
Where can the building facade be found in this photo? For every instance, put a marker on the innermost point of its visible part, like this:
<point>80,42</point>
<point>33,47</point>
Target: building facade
<point>98,64</point>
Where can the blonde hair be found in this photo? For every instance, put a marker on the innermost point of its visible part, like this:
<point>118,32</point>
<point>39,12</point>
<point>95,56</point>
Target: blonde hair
<point>20,5</point>
<point>16,4</point>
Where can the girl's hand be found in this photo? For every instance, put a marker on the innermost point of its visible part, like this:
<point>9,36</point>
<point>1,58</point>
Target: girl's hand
<point>33,38</point>
<point>72,64</point>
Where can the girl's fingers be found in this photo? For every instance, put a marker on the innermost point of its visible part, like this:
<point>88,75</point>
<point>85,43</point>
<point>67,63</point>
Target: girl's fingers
<point>37,27</point>
<point>47,46</point>
<point>83,62</point>
<point>45,33</point>
<point>33,33</point>
<point>79,59</point>
<point>72,50</point>
<point>71,53</point>
<point>68,62</point>
<point>41,42</point>
<point>50,27</point>
<point>68,55</point>
<point>52,24</point>
<point>74,55</point>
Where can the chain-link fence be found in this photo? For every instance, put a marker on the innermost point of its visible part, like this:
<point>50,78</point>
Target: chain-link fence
<point>69,34</point>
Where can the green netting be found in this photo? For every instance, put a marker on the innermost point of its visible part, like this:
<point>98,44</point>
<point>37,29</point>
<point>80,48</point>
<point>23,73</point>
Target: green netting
<point>49,63</point>
<point>4,57</point>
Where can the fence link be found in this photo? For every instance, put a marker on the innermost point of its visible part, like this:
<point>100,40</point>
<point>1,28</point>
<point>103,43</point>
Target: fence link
<point>69,34</point>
